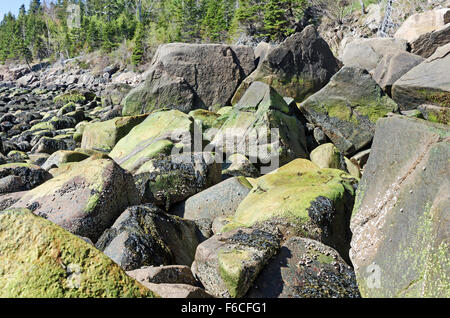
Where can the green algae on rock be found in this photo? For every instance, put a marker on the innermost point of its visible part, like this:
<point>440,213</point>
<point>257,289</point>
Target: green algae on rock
<point>227,264</point>
<point>84,198</point>
<point>103,136</point>
<point>157,134</point>
<point>300,198</point>
<point>38,259</point>
<point>348,108</point>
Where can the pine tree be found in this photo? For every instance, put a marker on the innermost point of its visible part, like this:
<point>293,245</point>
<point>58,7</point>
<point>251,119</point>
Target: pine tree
<point>139,46</point>
<point>275,23</point>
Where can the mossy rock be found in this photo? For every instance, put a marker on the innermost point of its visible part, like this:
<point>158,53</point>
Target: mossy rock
<point>347,109</point>
<point>304,199</point>
<point>41,260</point>
<point>250,123</point>
<point>84,198</point>
<point>103,136</point>
<point>63,156</point>
<point>158,133</point>
<point>227,264</point>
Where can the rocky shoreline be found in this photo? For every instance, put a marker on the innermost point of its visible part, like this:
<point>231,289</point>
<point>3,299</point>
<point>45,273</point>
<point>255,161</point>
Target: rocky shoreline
<point>335,182</point>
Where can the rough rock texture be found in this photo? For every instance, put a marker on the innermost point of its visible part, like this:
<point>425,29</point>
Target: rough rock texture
<point>302,199</point>
<point>169,180</point>
<point>177,290</point>
<point>238,165</point>
<point>435,114</point>
<point>422,23</point>
<point>427,43</point>
<point>348,108</point>
<point>298,67</point>
<point>328,156</point>
<point>16,177</point>
<point>85,199</point>
<point>400,222</point>
<point>38,259</point>
<point>144,235</point>
<point>63,156</point>
<point>227,264</point>
<point>171,274</point>
<point>103,136</point>
<point>157,134</point>
<point>7,200</point>
<point>219,200</point>
<point>414,89</point>
<point>367,53</point>
<point>189,76</point>
<point>305,268</point>
<point>394,66</point>
<point>247,128</point>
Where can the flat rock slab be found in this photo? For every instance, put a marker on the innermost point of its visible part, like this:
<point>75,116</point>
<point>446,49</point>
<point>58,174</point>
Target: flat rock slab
<point>400,221</point>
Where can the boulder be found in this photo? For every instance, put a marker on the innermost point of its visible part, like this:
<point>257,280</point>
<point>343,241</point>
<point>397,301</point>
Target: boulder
<point>400,221</point>
<point>367,53</point>
<point>41,260</point>
<point>16,177</point>
<point>144,235</point>
<point>304,268</point>
<point>63,156</point>
<point>190,76</point>
<point>414,89</point>
<point>157,134</point>
<point>167,180</point>
<point>347,109</point>
<point>301,199</point>
<point>328,156</point>
<point>238,165</point>
<point>227,264</point>
<point>247,129</point>
<point>394,66</point>
<point>85,198</point>
<point>298,67</point>
<point>49,145</point>
<point>171,274</point>
<point>422,23</point>
<point>219,200</point>
<point>103,136</point>
<point>7,200</point>
<point>428,43</point>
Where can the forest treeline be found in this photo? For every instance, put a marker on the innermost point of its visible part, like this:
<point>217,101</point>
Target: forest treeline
<point>67,28</point>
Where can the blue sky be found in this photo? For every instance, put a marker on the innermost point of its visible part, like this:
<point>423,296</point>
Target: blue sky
<point>12,5</point>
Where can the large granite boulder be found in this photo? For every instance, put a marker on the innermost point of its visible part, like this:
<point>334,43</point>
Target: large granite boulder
<point>190,76</point>
<point>367,53</point>
<point>422,23</point>
<point>103,136</point>
<point>400,222</point>
<point>428,43</point>
<point>247,128</point>
<point>157,134</point>
<point>298,67</point>
<point>304,268</point>
<point>219,200</point>
<point>301,199</point>
<point>392,67</point>
<point>227,264</point>
<point>427,83</point>
<point>85,198</point>
<point>144,235</point>
<point>38,259</point>
<point>167,180</point>
<point>347,109</point>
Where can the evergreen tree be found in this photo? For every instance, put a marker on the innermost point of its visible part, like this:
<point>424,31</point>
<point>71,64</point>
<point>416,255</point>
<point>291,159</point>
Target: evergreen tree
<point>139,45</point>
